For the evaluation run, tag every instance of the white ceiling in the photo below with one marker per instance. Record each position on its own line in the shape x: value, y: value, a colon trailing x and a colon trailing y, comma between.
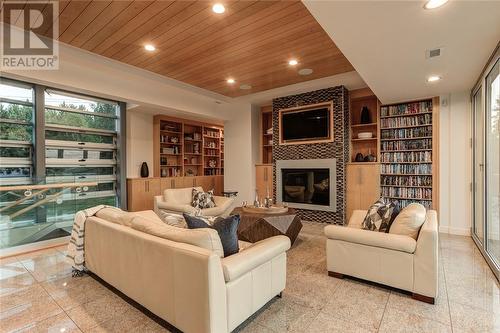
x: 351, y: 80
x: 386, y: 42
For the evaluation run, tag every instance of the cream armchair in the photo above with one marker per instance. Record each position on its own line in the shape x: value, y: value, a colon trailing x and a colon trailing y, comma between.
x: 179, y: 201
x: 394, y: 260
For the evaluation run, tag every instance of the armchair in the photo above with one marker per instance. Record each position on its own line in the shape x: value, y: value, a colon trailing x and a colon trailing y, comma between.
x: 178, y: 201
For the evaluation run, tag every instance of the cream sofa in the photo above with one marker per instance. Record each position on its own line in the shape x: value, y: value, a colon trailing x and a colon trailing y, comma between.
x: 179, y: 201
x: 394, y: 260
x: 189, y: 286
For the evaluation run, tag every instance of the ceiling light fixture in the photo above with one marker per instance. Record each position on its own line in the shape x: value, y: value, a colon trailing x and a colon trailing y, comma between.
x: 230, y: 81
x: 218, y: 8
x: 245, y: 87
x: 149, y: 47
x: 433, y: 78
x: 293, y: 62
x: 433, y: 4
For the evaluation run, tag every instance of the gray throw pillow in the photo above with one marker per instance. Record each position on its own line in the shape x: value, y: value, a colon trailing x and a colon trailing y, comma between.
x: 202, y: 199
x: 380, y: 215
x: 227, y: 228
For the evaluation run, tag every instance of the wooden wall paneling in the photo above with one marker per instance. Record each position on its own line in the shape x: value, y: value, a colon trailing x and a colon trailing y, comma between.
x: 156, y: 147
x: 202, y: 29
x: 198, y: 47
x: 170, y: 17
x: 144, y: 16
x: 115, y: 25
x: 107, y: 15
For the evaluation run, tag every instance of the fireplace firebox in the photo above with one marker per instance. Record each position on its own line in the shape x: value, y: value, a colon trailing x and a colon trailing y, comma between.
x: 306, y: 184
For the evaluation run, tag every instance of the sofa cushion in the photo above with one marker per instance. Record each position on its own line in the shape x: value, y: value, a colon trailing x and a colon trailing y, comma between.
x: 380, y: 215
x: 181, y: 196
x: 409, y: 220
x: 175, y: 220
x: 202, y: 199
x: 227, y: 228
x: 205, y: 238
x: 369, y: 238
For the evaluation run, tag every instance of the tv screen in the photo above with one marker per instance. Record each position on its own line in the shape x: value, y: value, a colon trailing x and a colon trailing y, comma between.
x: 306, y: 125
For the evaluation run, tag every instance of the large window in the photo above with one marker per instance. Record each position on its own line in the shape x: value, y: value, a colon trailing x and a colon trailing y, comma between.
x: 16, y: 132
x: 55, y: 137
x: 80, y: 143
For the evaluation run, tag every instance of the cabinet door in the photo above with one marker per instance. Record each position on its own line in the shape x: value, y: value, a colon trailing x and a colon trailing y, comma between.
x: 260, y: 180
x: 178, y: 182
x: 165, y: 184
x: 219, y: 185
x: 136, y: 193
x: 268, y: 178
x: 206, y: 182
x: 353, y: 179
x: 369, y: 185
x: 189, y: 181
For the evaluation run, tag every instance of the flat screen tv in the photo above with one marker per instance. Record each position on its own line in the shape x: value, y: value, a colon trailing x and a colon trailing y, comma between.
x: 312, y: 124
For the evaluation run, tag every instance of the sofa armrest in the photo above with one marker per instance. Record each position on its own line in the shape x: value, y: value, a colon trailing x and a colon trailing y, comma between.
x: 371, y: 238
x: 426, y: 257
x: 259, y: 253
x: 357, y: 218
x: 222, y: 208
x: 174, y: 207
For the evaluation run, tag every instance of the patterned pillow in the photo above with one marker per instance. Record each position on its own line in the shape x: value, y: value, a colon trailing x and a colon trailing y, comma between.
x: 174, y: 220
x: 202, y: 199
x: 380, y: 215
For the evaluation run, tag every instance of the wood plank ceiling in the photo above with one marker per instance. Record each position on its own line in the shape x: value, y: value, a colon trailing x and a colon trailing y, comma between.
x: 251, y: 41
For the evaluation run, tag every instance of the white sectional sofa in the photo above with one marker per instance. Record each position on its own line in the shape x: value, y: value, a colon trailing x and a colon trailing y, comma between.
x: 395, y: 260
x: 179, y: 274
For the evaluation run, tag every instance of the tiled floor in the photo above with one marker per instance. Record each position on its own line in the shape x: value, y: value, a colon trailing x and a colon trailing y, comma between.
x: 38, y: 294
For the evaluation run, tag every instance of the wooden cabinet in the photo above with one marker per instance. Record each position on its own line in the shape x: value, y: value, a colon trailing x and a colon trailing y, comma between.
x: 362, y: 186
x: 141, y: 193
x: 264, y: 179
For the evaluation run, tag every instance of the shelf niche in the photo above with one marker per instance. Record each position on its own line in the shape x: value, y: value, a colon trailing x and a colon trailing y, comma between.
x: 185, y: 148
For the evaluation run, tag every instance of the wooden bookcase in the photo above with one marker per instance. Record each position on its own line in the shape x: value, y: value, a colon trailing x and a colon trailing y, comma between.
x: 266, y: 134
x: 359, y: 99
x: 409, y: 152
x: 184, y: 148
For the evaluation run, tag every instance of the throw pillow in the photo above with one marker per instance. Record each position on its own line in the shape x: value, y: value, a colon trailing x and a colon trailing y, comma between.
x: 226, y: 228
x: 202, y: 199
x: 409, y: 220
x: 380, y: 216
x: 174, y: 220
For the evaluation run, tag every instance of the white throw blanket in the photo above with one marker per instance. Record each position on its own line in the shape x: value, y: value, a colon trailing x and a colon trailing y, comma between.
x: 76, y: 251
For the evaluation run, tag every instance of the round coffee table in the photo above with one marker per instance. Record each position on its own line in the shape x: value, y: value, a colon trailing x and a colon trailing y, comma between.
x: 258, y: 226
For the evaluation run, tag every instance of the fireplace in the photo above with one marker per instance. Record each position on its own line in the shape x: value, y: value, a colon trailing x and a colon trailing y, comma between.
x: 306, y: 184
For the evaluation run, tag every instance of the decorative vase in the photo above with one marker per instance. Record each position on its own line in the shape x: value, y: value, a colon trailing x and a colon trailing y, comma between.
x: 365, y: 116
x: 359, y: 157
x: 144, y: 170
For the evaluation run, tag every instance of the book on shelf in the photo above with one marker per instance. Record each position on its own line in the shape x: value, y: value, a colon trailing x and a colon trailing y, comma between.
x: 406, y: 108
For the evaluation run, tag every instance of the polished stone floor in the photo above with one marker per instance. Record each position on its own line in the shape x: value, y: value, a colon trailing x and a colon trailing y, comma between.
x: 38, y: 294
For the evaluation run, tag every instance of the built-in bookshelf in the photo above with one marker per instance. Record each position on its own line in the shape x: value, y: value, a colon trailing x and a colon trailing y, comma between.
x: 266, y: 128
x: 184, y: 148
x: 361, y: 101
x: 408, y: 152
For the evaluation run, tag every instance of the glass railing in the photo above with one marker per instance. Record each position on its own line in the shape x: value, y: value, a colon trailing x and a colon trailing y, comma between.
x: 45, y: 210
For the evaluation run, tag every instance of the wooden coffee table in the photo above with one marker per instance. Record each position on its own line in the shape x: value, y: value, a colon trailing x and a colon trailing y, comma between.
x: 258, y: 226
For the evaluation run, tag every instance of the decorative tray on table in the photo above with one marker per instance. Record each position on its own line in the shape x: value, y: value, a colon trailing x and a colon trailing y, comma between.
x: 265, y: 210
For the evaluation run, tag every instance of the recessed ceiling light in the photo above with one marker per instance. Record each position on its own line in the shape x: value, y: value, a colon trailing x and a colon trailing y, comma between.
x: 305, y: 71
x: 245, y: 87
x: 149, y: 47
x: 433, y: 78
x: 218, y: 8
x: 230, y: 81
x: 432, y: 4
x: 293, y: 62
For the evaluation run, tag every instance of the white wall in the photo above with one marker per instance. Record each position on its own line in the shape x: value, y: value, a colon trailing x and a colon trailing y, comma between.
x: 240, y: 147
x: 139, y: 142
x: 455, y: 160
